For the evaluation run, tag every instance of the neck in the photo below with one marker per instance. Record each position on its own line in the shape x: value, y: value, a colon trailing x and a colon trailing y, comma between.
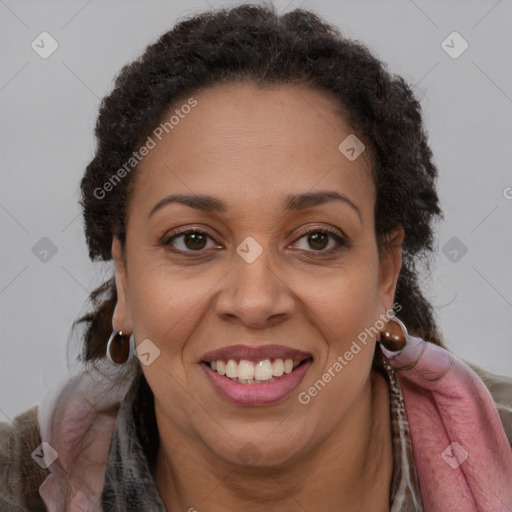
x: 320, y: 480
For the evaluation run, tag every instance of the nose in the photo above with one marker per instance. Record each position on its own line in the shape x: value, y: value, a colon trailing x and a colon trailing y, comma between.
x: 255, y: 293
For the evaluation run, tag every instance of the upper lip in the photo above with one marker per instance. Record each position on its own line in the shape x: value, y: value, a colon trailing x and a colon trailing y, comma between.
x: 255, y: 354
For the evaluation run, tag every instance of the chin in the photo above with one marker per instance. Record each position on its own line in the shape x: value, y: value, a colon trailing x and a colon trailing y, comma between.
x: 270, y: 448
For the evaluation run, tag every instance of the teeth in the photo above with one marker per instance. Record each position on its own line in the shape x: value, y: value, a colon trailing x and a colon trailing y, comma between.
x: 249, y: 372
x: 263, y: 370
x: 277, y: 368
x: 245, y: 370
x: 231, y: 369
x: 288, y: 366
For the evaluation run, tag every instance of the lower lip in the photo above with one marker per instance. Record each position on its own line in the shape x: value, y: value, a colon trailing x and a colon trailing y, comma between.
x: 257, y: 394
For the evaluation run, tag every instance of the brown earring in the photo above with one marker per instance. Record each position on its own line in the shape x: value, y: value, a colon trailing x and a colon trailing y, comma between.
x: 394, y: 337
x: 120, y: 347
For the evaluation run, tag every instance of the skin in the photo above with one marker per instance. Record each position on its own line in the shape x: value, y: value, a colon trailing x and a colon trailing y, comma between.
x: 250, y: 148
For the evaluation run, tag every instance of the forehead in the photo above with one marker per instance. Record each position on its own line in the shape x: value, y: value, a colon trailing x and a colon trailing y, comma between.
x: 240, y: 142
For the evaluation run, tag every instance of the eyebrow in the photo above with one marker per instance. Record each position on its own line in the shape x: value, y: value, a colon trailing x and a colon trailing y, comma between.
x: 292, y: 202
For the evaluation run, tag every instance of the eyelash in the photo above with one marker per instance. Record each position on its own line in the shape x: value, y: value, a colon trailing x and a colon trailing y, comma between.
x: 342, y: 243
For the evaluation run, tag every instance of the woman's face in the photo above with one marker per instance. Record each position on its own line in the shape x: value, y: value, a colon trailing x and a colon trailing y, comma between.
x: 261, y: 271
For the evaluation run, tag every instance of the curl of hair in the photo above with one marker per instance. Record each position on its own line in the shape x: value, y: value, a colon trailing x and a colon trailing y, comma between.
x: 252, y: 43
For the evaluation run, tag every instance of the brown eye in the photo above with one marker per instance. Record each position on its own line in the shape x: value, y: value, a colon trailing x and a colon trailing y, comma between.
x: 195, y: 241
x: 318, y: 240
x: 191, y: 240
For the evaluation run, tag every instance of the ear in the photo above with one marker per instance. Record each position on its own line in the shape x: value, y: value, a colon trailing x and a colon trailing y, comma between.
x: 390, y: 265
x: 122, y: 320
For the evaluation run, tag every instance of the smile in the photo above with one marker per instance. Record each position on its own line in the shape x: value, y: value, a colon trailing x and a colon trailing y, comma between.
x: 254, y: 376
x: 250, y: 372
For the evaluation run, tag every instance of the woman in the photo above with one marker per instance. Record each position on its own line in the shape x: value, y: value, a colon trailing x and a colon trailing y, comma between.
x: 265, y: 190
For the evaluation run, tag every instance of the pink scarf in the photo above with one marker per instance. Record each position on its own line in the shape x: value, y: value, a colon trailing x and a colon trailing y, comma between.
x: 462, y: 455
x: 461, y: 452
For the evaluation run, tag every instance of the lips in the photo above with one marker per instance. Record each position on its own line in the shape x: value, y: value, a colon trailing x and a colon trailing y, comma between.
x: 262, y: 375
x: 239, y: 352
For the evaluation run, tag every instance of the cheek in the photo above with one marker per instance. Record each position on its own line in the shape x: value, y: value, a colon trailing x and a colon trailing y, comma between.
x: 174, y: 308
x: 168, y: 303
x: 166, y: 310
x: 345, y: 314
x: 344, y: 317
x: 347, y: 302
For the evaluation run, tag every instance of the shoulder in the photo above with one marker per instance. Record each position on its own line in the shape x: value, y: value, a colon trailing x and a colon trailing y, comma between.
x: 500, y: 387
x: 20, y: 475
x: 76, y: 417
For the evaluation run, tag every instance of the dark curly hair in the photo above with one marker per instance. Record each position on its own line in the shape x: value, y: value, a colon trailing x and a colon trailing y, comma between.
x: 252, y: 43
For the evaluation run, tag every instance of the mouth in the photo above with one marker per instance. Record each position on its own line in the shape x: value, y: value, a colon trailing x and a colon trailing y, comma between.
x: 256, y: 376
x: 264, y: 371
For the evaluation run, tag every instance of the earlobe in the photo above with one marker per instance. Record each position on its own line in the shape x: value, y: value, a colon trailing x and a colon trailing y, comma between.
x: 390, y: 265
x: 122, y: 320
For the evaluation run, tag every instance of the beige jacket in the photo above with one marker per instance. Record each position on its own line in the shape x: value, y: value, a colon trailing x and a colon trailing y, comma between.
x: 21, y: 476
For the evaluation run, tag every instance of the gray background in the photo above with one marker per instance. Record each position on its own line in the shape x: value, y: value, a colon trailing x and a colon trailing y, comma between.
x: 48, y: 109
